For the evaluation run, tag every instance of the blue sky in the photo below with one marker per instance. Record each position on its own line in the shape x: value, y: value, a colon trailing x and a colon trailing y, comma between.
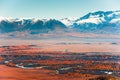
x: 54, y: 8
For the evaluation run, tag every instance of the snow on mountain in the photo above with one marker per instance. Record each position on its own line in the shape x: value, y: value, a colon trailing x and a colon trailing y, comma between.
x: 99, y: 22
x: 99, y: 17
x: 114, y: 14
x: 115, y: 17
x: 34, y: 26
x: 116, y: 20
x: 5, y: 19
x: 68, y: 21
x: 95, y: 20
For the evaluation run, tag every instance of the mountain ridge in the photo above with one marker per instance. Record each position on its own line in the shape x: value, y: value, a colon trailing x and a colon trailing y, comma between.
x: 95, y: 22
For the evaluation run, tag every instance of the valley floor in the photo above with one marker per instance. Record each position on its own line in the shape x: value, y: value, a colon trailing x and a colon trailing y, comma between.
x: 59, y: 61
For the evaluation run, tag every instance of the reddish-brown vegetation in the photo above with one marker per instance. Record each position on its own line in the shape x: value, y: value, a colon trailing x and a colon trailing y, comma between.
x: 16, y: 63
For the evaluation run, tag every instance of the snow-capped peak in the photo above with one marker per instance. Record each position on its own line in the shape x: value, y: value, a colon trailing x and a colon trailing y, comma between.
x: 5, y: 18
x: 68, y: 21
x: 99, y: 17
x: 95, y: 20
x: 94, y: 17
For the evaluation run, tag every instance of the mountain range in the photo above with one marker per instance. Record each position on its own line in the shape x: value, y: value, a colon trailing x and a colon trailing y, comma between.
x: 99, y: 22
